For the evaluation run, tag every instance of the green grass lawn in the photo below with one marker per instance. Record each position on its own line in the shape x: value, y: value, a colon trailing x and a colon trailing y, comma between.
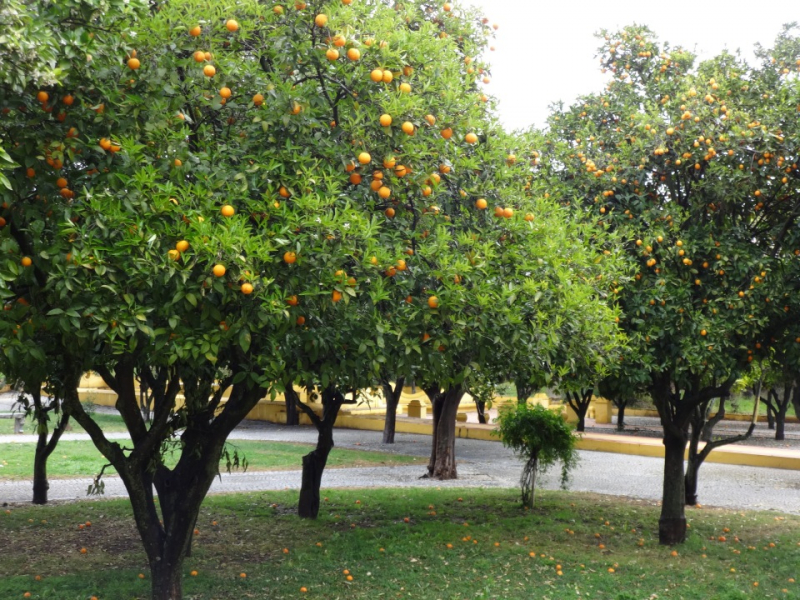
x: 400, y: 543
x: 110, y: 423
x: 81, y: 458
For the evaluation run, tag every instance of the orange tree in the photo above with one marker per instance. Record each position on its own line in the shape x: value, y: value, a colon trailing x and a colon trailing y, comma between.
x: 195, y: 212
x: 696, y: 166
x: 41, y: 46
x: 496, y: 280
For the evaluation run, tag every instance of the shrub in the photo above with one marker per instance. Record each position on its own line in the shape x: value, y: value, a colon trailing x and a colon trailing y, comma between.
x: 540, y: 437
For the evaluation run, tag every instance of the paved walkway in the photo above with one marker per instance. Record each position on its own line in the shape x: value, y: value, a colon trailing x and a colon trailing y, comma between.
x: 480, y: 464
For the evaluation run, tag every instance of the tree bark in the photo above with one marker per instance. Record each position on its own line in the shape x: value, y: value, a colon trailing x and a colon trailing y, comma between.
x: 392, y: 400
x: 579, y: 401
x: 672, y: 522
x: 167, y: 583
x: 45, y: 447
x: 443, y: 449
x: 480, y: 406
x: 314, y: 462
x: 291, y: 399
x: 621, y: 415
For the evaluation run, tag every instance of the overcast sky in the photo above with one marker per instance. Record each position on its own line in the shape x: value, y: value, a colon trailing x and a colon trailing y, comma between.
x: 545, y: 51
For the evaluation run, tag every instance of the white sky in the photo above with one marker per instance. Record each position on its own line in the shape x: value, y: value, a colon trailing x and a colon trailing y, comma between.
x: 545, y: 51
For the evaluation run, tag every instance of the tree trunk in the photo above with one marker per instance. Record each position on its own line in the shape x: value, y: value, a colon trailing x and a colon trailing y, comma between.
x: 781, y: 408
x: 672, y: 523
x: 392, y: 400
x: 621, y: 415
x: 694, y: 462
x: 770, y: 416
x: 291, y: 399
x: 44, y: 448
x: 780, y: 424
x: 443, y: 449
x: 40, y: 483
x: 524, y: 391
x: 313, y: 467
x: 167, y: 582
x: 579, y: 401
x: 480, y: 406
x: 314, y: 462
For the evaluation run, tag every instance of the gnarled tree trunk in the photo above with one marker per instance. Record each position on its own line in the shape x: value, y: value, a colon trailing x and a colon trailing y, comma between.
x: 442, y: 464
x: 166, y: 527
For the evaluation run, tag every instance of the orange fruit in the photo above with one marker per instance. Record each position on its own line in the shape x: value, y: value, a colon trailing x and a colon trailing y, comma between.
x: 401, y: 265
x: 199, y: 56
x: 134, y: 63
x: 177, y: 162
x: 481, y: 204
x: 26, y: 261
x: 388, y: 76
x: 209, y: 71
x: 408, y: 128
x: 289, y: 257
x: 529, y: 217
x: 384, y: 192
x: 247, y: 289
x: 321, y: 20
x: 471, y: 138
x: 292, y: 301
x: 227, y: 210
x: 301, y: 320
x: 433, y: 302
x: 105, y: 144
x: 61, y: 182
x: 364, y: 158
x: 355, y: 178
x: 447, y: 133
x: 182, y: 246
x: 284, y: 193
x: 389, y: 212
x: 32, y: 173
x: 508, y: 213
x: 336, y: 295
x: 353, y: 54
x: 386, y: 120
x: 405, y: 88
x: 231, y: 25
x: 193, y: 573
x: 376, y: 75
x: 243, y: 575
x: 225, y: 92
x: 218, y: 270
x: 42, y: 96
x: 426, y: 191
x: 303, y: 589
x: 332, y: 54
x: 195, y: 31
x: 431, y: 120
x: 174, y: 254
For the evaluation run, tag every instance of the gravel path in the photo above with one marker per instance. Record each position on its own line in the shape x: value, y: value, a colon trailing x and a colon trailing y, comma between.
x: 480, y: 464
